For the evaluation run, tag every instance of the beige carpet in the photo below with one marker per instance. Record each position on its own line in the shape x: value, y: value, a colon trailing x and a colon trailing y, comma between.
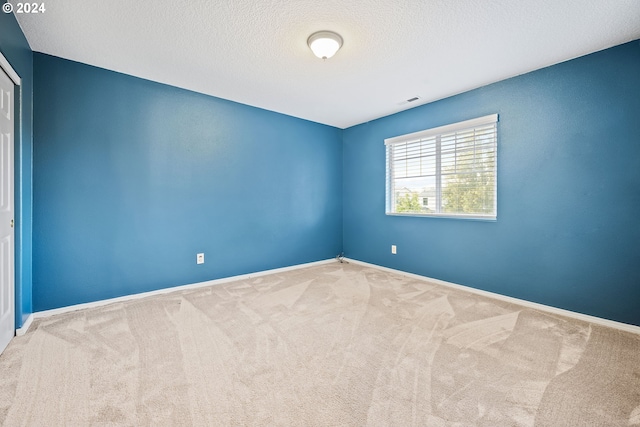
x: 330, y: 345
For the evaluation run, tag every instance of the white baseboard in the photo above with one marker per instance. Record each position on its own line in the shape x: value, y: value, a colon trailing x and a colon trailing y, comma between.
x: 47, y: 313
x: 25, y: 327
x: 549, y: 309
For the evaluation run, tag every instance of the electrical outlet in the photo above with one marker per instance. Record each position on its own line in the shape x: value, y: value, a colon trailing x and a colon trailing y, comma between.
x: 393, y: 249
x: 200, y: 259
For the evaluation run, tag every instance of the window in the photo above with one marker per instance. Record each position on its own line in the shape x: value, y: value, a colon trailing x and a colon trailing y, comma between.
x: 446, y: 171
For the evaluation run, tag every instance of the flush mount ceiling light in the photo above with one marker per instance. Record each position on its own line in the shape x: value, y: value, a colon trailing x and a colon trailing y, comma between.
x: 324, y: 44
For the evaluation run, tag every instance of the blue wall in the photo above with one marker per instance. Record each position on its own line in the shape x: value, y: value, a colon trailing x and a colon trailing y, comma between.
x: 15, y: 49
x: 567, y: 233
x: 133, y: 178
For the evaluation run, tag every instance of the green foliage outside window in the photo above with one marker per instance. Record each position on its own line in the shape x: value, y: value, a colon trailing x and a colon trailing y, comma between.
x: 408, y: 203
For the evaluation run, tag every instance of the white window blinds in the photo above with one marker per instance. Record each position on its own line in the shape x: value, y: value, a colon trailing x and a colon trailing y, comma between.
x: 445, y: 171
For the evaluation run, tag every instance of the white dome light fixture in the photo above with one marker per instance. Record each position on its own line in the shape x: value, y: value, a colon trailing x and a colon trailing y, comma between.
x: 324, y: 44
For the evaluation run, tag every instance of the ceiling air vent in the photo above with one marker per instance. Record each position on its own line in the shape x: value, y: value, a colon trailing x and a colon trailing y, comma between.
x: 415, y: 98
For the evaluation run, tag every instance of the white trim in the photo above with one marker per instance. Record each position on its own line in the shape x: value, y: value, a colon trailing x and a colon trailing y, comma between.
x: 6, y: 66
x: 549, y: 309
x: 554, y: 310
x: 467, y: 124
x: 25, y: 327
x: 490, y: 218
x: 70, y: 308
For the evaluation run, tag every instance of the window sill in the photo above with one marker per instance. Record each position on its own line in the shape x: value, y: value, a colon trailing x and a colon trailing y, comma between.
x: 448, y: 216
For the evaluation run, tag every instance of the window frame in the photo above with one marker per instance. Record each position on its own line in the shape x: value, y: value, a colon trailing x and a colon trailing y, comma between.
x: 437, y: 132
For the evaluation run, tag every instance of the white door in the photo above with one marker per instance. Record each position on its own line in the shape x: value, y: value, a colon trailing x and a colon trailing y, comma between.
x: 7, y: 319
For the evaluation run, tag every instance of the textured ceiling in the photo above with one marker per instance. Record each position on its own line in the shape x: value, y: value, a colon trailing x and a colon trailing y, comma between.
x: 255, y: 52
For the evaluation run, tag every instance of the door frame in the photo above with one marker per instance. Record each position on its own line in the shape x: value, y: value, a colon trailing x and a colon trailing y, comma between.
x: 6, y: 66
x: 17, y: 125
